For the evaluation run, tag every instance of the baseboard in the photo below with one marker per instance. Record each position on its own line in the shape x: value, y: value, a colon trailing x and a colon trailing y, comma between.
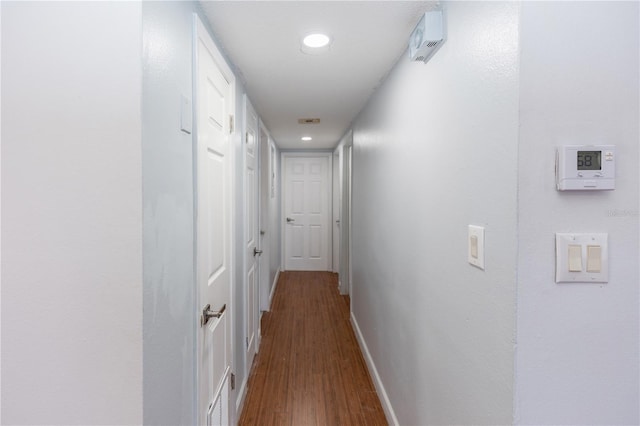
x: 273, y: 287
x: 384, y: 398
x: 242, y: 394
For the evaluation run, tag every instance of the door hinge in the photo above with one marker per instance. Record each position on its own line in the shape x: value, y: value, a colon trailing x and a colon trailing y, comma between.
x: 233, y: 381
x: 246, y: 340
x: 231, y: 124
x: 246, y: 137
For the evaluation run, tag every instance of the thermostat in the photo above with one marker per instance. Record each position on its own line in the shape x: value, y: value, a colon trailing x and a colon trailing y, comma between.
x: 586, y: 167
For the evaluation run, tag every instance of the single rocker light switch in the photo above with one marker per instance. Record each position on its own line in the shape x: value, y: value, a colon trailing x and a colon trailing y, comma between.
x: 575, y: 258
x: 475, y: 251
x: 594, y: 258
x: 474, y: 246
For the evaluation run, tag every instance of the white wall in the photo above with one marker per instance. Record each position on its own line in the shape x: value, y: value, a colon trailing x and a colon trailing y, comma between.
x: 435, y: 151
x: 577, y: 358
x: 169, y: 289
x: 168, y: 206
x: 72, y: 216
x: 0, y: 221
x: 470, y: 137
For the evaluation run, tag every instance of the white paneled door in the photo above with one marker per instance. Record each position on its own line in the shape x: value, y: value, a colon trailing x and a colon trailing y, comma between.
x: 265, y: 233
x: 214, y: 108
x: 251, y: 231
x: 307, y: 211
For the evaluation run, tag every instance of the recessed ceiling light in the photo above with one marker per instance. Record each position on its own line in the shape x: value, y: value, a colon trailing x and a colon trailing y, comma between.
x: 306, y: 138
x: 316, y: 40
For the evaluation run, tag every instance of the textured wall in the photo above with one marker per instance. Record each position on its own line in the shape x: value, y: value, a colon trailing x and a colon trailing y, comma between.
x: 168, y: 203
x: 435, y: 151
x: 72, y: 216
x: 578, y: 343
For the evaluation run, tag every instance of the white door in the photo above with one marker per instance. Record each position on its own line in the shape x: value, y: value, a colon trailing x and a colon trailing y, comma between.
x: 214, y: 108
x: 335, y: 224
x: 251, y: 230
x: 265, y: 232
x: 345, y: 221
x: 306, y: 211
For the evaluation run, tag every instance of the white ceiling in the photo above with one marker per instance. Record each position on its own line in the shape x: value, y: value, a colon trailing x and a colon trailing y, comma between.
x: 263, y: 40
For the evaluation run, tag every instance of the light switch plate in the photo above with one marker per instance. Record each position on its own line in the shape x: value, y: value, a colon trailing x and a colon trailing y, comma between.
x: 566, y: 241
x: 475, y: 246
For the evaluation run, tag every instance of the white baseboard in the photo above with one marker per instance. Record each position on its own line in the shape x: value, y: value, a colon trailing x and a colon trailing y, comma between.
x: 273, y: 287
x: 242, y: 394
x: 384, y: 398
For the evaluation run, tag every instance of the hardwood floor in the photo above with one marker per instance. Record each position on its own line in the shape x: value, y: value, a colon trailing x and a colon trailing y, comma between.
x: 310, y: 370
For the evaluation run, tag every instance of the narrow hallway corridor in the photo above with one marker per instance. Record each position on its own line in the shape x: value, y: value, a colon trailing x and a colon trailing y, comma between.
x: 310, y: 370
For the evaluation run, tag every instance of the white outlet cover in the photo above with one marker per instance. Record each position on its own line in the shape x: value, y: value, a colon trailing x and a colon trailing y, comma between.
x: 564, y: 275
x: 478, y: 233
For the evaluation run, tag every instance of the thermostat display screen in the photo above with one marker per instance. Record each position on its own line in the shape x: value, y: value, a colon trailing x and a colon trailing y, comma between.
x: 589, y: 160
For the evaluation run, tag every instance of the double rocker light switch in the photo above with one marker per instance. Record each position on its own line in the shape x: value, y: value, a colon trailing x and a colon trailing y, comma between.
x: 581, y: 258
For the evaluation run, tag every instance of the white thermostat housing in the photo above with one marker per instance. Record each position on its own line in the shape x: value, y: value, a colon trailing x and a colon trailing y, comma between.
x: 586, y: 167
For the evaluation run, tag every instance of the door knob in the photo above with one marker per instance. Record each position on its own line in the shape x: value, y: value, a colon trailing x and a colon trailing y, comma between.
x: 207, y: 314
x: 289, y: 220
x: 256, y: 251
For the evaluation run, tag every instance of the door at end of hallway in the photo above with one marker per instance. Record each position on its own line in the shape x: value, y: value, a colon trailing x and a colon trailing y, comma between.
x: 306, y: 211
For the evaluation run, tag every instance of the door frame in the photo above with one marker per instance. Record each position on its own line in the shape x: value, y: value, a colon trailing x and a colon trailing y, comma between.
x: 264, y: 192
x: 283, y: 184
x: 346, y: 192
x: 252, y: 347
x: 336, y: 209
x: 198, y: 30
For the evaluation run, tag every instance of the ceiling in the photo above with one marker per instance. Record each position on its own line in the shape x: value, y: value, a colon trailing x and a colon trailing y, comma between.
x: 263, y: 40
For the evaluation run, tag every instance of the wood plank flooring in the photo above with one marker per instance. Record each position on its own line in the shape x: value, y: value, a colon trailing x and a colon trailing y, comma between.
x: 310, y: 370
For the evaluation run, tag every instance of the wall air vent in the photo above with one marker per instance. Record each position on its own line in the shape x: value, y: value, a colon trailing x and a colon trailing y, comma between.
x: 308, y: 120
x: 427, y: 37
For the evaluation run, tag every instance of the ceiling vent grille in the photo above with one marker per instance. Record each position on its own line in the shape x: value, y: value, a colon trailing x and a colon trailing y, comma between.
x: 308, y: 120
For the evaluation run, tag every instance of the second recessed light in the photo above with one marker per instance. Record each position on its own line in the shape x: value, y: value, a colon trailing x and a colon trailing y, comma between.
x: 316, y: 40
x: 306, y: 138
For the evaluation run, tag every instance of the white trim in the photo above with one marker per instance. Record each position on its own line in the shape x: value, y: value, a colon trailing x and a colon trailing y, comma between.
x: 250, y: 351
x: 242, y: 394
x: 384, y: 398
x: 273, y: 287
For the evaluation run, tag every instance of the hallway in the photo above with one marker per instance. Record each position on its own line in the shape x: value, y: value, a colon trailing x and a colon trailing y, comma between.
x: 309, y: 370
x: 121, y: 212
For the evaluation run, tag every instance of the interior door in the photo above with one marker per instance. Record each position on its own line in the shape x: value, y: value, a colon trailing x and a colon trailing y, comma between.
x: 214, y: 121
x: 335, y: 224
x: 251, y: 230
x: 306, y: 211
x: 345, y: 222
x: 265, y: 232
